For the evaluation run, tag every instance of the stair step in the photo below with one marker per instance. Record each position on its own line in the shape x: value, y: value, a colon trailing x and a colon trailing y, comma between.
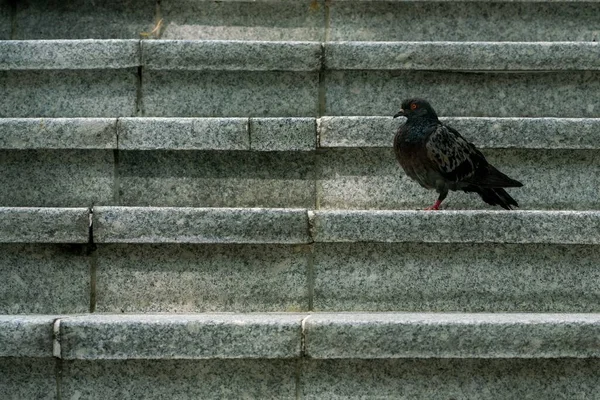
x: 315, y: 335
x: 283, y: 79
x: 43, y: 225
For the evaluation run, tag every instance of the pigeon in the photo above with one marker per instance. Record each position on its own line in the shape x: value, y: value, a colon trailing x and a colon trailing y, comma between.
x: 438, y: 157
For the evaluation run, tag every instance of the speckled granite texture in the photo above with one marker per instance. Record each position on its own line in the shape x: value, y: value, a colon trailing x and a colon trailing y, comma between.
x: 5, y: 20
x: 28, y: 378
x: 84, y: 19
x: 285, y: 20
x: 231, y: 55
x: 283, y: 134
x: 558, y: 227
x: 181, y: 336
x: 460, y: 94
x: 184, y: 134
x: 69, y: 93
x: 180, y: 379
x: 470, y: 21
x: 437, y: 335
x: 58, y: 133
x: 200, y: 225
x: 26, y: 336
x: 200, y: 278
x: 216, y: 179
x: 456, y: 277
x: 44, y: 278
x: 451, y: 379
x: 43, y: 225
x: 364, y: 178
x: 230, y: 94
x: 521, y: 133
x: 458, y: 56
x: 56, y: 178
x: 69, y: 54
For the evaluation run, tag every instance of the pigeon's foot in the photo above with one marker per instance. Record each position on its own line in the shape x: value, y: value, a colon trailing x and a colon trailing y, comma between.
x: 435, y: 206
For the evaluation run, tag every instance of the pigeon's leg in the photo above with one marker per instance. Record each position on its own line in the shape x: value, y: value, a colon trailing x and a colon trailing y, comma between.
x: 438, y: 202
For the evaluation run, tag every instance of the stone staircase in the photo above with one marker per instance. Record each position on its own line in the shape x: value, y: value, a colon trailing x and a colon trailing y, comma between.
x: 199, y: 200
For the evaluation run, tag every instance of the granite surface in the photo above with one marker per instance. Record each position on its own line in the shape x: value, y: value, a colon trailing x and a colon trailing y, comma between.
x: 200, y: 225
x: 56, y: 178
x: 283, y: 134
x: 179, y: 379
x: 470, y: 21
x: 58, y: 133
x: 26, y: 336
x: 183, y: 134
x: 201, y: 278
x: 44, y: 279
x: 521, y: 133
x: 5, y: 20
x: 456, y: 277
x: 28, y: 378
x: 451, y: 379
x: 463, y: 56
x: 436, y: 335
x: 69, y: 54
x: 272, y: 20
x: 466, y: 94
x: 84, y: 19
x: 43, y: 225
x: 558, y: 227
x: 231, y: 55
x: 366, y: 178
x: 69, y: 93
x: 217, y: 179
x: 180, y: 336
x: 230, y: 93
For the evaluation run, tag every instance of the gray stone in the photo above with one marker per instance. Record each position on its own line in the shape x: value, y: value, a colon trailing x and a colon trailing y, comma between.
x: 436, y: 335
x: 56, y: 178
x: 200, y: 225
x: 180, y: 336
x: 271, y: 20
x: 179, y: 379
x: 5, y: 21
x: 466, y: 94
x: 456, y: 277
x: 521, y: 133
x: 28, y: 378
x: 231, y: 55
x: 26, y: 336
x: 84, y: 19
x: 68, y: 93
x: 69, y: 54
x: 283, y: 134
x: 58, y: 133
x: 217, y: 179
x: 463, y: 56
x: 183, y: 134
x: 200, y: 278
x: 559, y: 227
x: 44, y: 279
x: 469, y: 21
x: 230, y: 93
x: 43, y: 225
x: 451, y: 379
x: 369, y: 178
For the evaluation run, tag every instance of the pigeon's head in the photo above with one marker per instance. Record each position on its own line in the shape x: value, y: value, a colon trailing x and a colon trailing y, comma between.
x: 413, y: 108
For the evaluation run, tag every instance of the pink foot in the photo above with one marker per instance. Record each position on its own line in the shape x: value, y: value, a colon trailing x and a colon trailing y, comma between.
x: 435, y: 206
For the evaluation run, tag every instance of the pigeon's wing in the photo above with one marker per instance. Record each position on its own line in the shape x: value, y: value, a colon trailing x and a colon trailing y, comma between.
x: 455, y: 158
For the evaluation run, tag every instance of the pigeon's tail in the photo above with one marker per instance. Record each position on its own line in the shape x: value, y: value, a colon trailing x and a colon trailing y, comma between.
x: 494, y: 196
x: 496, y: 179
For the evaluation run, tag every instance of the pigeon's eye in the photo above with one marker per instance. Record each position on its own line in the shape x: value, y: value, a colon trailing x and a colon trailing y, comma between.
x: 413, y: 106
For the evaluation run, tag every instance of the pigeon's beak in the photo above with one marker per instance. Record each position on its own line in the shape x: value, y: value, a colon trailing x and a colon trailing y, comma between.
x: 399, y: 113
